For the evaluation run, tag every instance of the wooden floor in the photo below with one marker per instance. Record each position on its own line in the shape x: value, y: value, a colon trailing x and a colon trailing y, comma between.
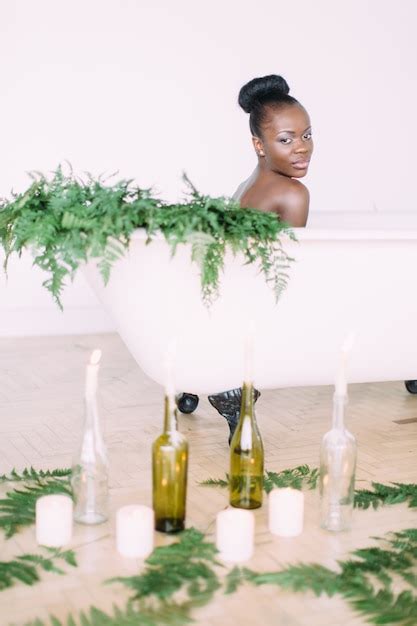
x: 41, y: 390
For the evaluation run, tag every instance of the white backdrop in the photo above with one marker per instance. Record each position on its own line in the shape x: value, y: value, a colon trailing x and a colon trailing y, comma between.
x: 149, y: 88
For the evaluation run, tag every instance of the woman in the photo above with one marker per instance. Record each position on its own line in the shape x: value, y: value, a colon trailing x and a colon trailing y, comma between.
x: 281, y: 136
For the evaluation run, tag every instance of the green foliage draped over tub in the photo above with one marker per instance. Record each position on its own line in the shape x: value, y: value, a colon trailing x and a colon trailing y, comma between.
x: 66, y: 220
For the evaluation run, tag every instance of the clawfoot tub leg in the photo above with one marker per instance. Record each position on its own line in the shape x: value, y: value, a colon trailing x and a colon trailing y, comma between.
x: 187, y: 402
x: 227, y: 404
x: 411, y: 386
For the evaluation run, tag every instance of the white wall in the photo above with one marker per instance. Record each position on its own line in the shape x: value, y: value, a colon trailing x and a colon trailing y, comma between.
x: 149, y: 88
x: 27, y: 308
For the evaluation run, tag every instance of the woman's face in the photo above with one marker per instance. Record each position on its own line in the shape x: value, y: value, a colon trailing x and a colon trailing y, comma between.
x: 286, y: 145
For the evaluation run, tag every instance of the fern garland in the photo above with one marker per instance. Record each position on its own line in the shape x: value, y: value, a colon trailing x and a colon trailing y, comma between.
x: 190, y: 566
x: 17, y: 508
x: 24, y: 568
x: 366, y: 580
x: 305, y: 477
x: 67, y: 221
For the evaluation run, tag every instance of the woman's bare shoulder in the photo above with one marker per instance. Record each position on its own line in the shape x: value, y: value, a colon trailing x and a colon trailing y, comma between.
x: 290, y: 199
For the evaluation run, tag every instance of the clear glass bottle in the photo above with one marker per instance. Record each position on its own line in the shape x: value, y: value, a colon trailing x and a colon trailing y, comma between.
x: 246, y: 456
x: 90, y: 470
x: 169, y: 473
x: 337, y: 471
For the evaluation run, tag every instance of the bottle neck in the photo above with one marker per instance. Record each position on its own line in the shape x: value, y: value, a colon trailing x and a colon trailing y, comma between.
x: 170, y: 414
x: 339, y: 404
x: 247, y: 399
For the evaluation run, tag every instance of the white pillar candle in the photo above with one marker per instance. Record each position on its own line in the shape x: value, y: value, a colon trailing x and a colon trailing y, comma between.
x: 135, y: 531
x: 170, y: 355
x: 54, y: 520
x: 235, y: 532
x: 92, y: 373
x: 341, y: 375
x: 249, y: 352
x: 286, y: 512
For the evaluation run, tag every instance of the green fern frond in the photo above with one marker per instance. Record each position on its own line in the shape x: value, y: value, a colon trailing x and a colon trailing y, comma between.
x: 30, y: 473
x: 167, y: 614
x: 355, y: 579
x: 308, y: 577
x: 24, y: 568
x: 295, y: 477
x: 186, y: 564
x: 386, y: 607
x: 305, y: 477
x: 381, y: 494
x: 215, y: 482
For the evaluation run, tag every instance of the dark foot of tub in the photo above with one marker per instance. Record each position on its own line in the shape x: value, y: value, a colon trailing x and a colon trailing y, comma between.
x: 227, y: 404
x: 411, y: 386
x: 187, y: 402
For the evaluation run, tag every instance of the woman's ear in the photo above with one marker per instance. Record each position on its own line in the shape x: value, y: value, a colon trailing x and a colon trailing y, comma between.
x: 258, y: 145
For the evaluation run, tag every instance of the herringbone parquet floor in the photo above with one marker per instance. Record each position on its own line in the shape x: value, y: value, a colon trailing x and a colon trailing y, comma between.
x: 41, y: 391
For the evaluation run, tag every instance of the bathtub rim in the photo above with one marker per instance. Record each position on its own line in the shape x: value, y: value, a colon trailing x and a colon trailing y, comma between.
x: 318, y: 234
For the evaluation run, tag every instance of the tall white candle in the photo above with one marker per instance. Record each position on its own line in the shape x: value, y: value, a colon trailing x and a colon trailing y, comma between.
x: 341, y: 376
x: 235, y: 534
x: 249, y: 352
x: 92, y: 373
x: 286, y: 512
x: 54, y: 520
x: 135, y: 531
x: 169, y: 368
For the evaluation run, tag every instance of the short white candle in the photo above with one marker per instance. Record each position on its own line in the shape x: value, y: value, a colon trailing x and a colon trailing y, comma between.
x: 135, y: 531
x: 286, y: 512
x: 235, y: 533
x: 54, y: 520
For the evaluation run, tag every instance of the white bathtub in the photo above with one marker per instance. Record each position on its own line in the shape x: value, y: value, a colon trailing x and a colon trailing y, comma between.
x: 352, y: 272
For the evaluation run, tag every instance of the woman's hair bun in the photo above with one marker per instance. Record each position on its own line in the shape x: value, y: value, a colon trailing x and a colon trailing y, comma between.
x: 260, y: 89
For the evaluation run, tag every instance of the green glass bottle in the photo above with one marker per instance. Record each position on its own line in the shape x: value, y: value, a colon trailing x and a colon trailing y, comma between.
x: 169, y: 473
x: 246, y: 456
